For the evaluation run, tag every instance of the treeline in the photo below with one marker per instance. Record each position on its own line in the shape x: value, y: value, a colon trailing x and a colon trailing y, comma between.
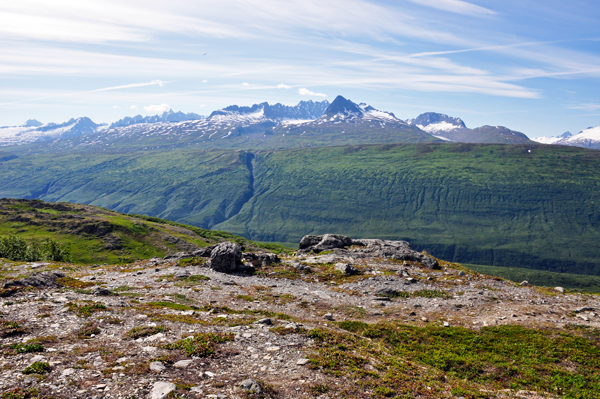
x: 17, y: 249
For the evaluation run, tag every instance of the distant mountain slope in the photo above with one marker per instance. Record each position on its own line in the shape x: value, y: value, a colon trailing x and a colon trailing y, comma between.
x: 551, y: 139
x: 33, y: 131
x: 169, y: 116
x: 518, y: 205
x: 487, y: 134
x: 448, y: 128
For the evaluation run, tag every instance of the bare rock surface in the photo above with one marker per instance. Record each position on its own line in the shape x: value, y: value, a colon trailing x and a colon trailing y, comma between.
x: 121, y: 345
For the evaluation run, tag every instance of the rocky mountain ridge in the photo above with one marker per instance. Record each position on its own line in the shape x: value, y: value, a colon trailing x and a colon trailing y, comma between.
x: 342, y: 318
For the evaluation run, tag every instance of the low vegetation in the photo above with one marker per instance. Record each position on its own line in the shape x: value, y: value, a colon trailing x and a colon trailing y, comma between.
x: 395, y: 360
x: 200, y: 345
x: 16, y: 248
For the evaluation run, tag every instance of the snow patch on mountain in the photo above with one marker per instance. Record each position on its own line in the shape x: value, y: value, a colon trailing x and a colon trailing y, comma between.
x: 30, y: 133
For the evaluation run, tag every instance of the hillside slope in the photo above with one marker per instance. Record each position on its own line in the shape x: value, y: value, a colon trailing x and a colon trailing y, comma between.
x: 529, y: 206
x: 97, y: 235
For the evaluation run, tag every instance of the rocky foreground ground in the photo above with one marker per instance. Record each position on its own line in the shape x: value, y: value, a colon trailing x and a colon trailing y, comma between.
x: 213, y: 325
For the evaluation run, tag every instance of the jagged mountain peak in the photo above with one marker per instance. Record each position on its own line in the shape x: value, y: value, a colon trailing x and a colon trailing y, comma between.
x: 343, y: 106
x: 304, y: 110
x: 433, y: 122
x: 167, y: 116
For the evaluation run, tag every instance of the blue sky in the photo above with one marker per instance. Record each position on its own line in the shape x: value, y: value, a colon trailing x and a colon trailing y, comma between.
x: 533, y: 66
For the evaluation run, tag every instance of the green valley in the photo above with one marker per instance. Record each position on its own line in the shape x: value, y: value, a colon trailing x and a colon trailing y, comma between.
x: 528, y: 205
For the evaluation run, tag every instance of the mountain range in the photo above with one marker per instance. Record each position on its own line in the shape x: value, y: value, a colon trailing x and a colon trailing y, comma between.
x: 261, y: 125
x: 264, y: 125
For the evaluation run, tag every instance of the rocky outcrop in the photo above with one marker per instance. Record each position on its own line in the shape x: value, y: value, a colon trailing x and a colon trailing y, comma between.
x: 38, y: 280
x: 225, y: 257
x: 398, y: 250
x: 327, y: 242
x: 259, y: 259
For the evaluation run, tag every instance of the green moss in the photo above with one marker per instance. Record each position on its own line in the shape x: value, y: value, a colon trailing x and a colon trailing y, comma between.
x: 144, y: 331
x: 87, y: 309
x: 200, y: 345
x: 170, y: 305
x: 37, y: 368
x: 27, y: 348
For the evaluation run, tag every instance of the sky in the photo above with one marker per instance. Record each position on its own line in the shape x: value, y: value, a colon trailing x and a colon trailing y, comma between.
x: 532, y: 66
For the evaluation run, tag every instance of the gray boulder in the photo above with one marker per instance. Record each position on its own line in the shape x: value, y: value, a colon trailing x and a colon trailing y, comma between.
x: 204, y: 252
x: 258, y: 259
x: 183, y: 273
x: 347, y: 269
x: 38, y: 280
x: 225, y: 257
x: 322, y: 243
x: 101, y: 291
x: 251, y: 386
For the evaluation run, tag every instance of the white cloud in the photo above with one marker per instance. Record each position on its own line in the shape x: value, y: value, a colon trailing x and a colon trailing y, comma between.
x: 205, y: 81
x: 116, y: 107
x: 305, y: 92
x: 157, y: 109
x: 133, y: 107
x: 282, y: 86
x: 202, y: 105
x: 246, y: 84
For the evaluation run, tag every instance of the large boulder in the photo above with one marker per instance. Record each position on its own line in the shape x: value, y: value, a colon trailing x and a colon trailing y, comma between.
x: 225, y: 257
x: 322, y: 243
x: 38, y: 280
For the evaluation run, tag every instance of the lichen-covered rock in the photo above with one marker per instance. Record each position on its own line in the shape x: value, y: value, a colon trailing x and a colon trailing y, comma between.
x: 322, y: 243
x: 38, y: 280
x: 225, y: 257
x: 347, y: 269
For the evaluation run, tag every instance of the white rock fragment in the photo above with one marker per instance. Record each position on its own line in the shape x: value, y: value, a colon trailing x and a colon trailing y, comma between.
x: 157, y: 366
x: 161, y: 389
x: 182, y: 364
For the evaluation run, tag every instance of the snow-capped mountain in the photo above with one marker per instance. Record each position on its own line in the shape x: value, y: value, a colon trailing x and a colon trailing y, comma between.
x: 34, y: 131
x: 169, y: 116
x: 344, y: 110
x: 552, y: 139
x: 588, y: 138
x: 433, y: 123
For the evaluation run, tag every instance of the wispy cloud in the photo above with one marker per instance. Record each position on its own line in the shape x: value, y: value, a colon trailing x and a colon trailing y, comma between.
x: 456, y: 6
x: 282, y: 86
x: 305, y: 92
x: 121, y: 87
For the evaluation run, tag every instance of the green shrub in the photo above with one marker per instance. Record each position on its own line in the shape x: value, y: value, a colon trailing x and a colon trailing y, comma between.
x: 27, y: 348
x: 37, y: 368
x: 201, y: 345
x: 145, y: 331
x: 16, y: 248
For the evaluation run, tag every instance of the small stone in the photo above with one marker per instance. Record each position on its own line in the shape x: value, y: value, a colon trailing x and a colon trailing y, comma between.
x: 100, y: 291
x: 157, y: 366
x: 209, y: 374
x: 100, y: 386
x: 251, y: 386
x: 37, y: 358
x: 524, y: 283
x: 149, y: 349
x: 155, y: 337
x: 582, y: 317
x: 328, y: 316
x: 273, y: 348
x: 179, y: 274
x: 559, y: 289
x: 182, y: 364
x: 302, y: 362
x: 425, y: 319
x: 196, y: 390
x: 347, y: 269
x: 68, y: 372
x: 266, y: 321
x: 446, y: 324
x: 161, y: 389
x: 461, y: 273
